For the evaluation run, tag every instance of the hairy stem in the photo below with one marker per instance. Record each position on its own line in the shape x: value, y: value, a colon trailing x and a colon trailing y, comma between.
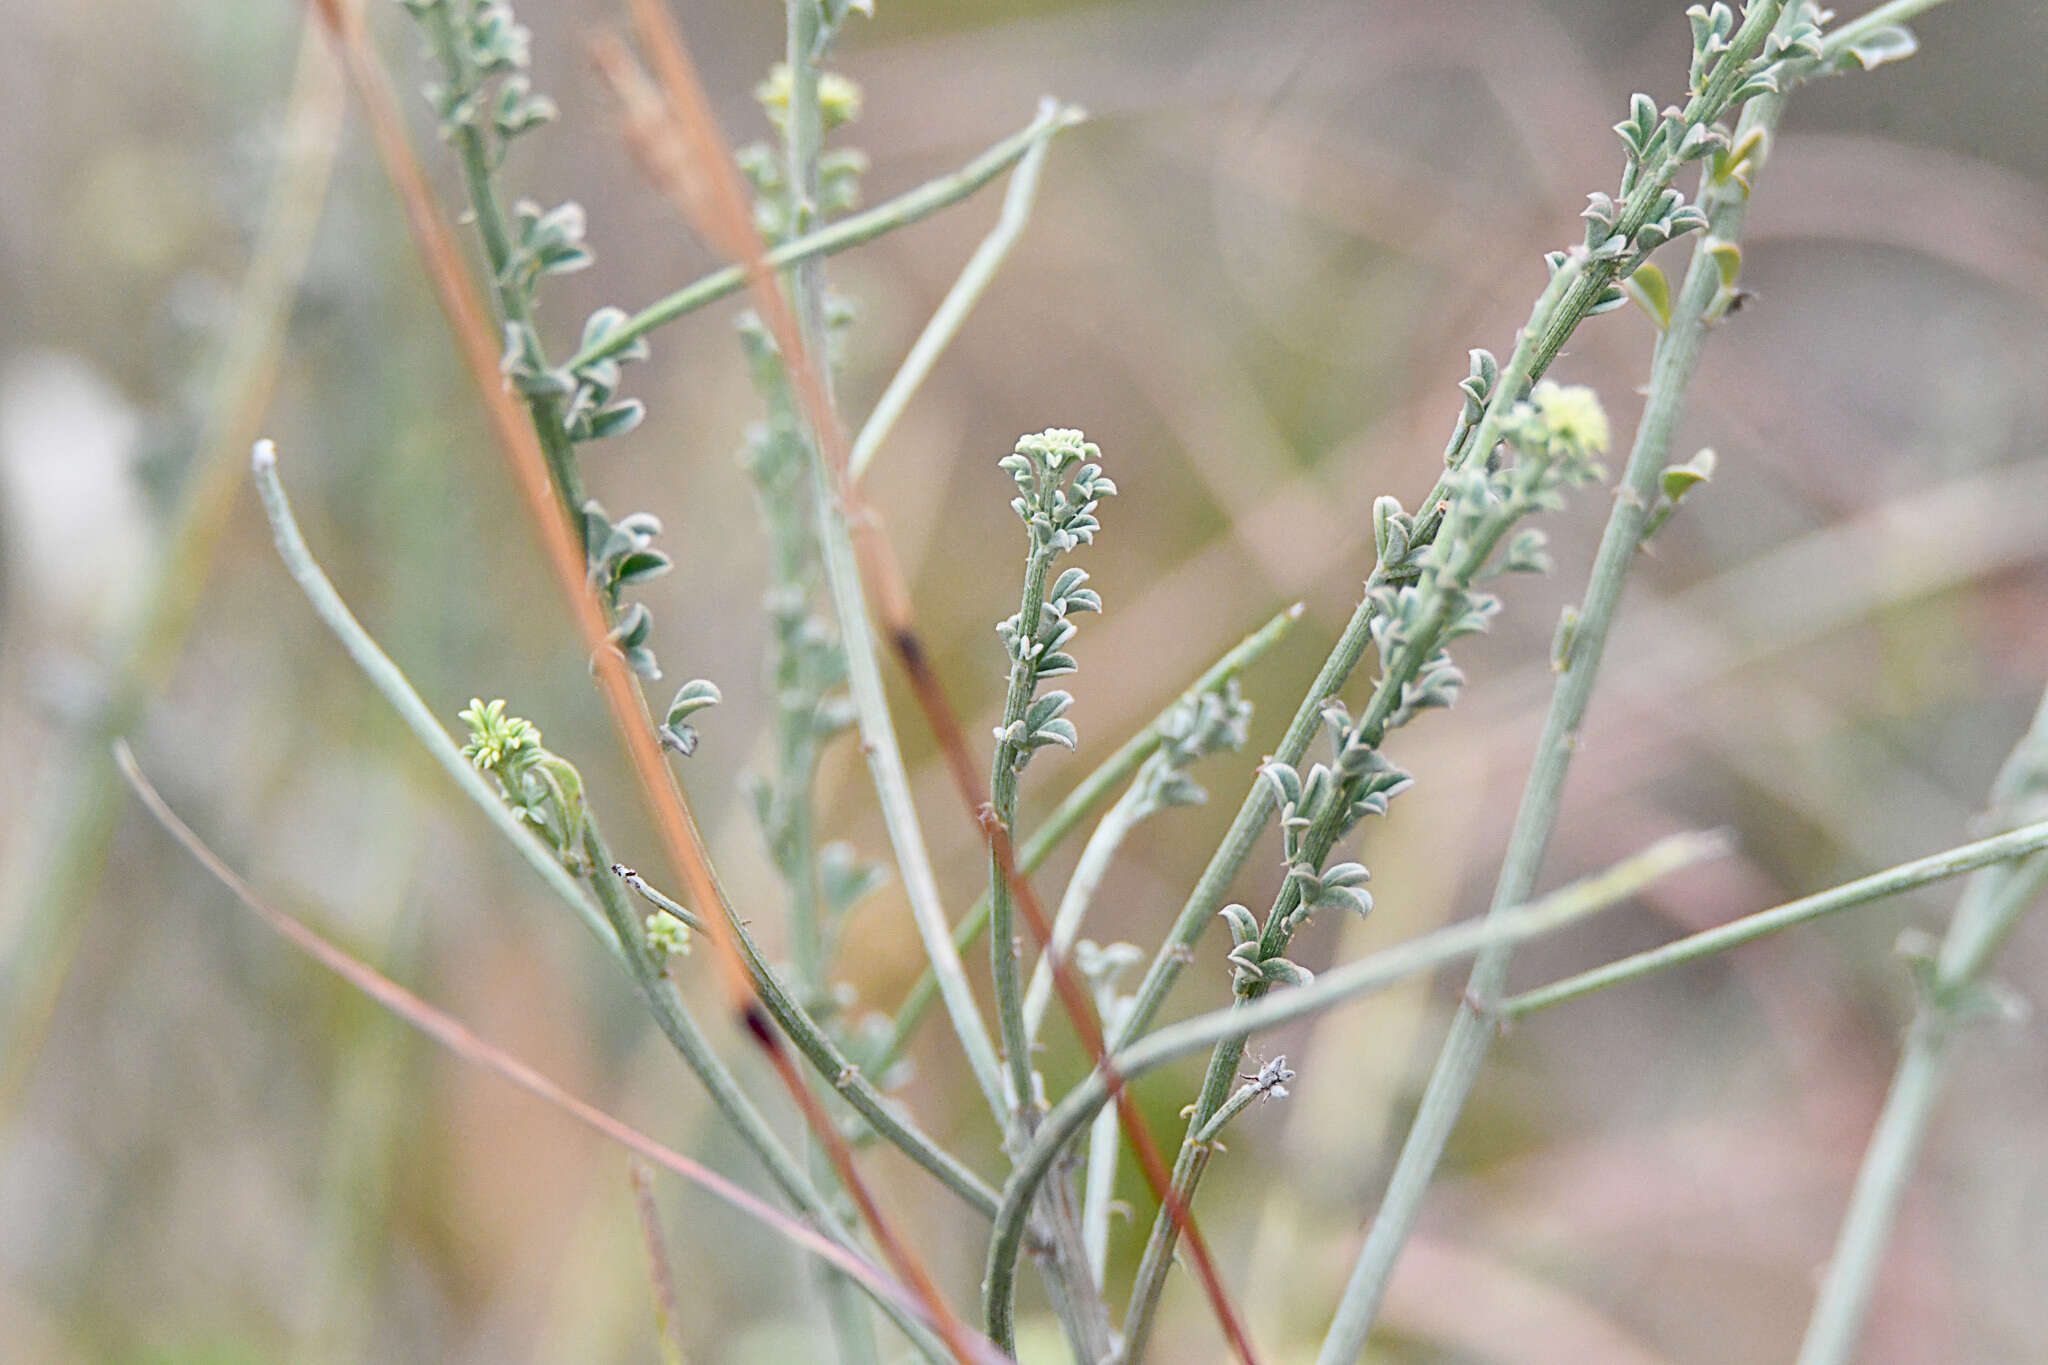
x: 1003, y: 939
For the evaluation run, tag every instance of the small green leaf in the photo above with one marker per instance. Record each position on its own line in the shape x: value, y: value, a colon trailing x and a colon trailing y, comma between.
x: 1890, y: 44
x: 1652, y: 293
x: 1243, y: 928
x: 1681, y: 479
x: 693, y: 696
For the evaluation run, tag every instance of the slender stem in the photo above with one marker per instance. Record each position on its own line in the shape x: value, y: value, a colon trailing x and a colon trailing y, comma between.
x: 1388, y: 967
x: 960, y: 300
x: 803, y: 140
x: 833, y: 1241
x: 1477, y: 540
x: 1097, y: 854
x: 2019, y: 843
x: 838, y: 1070
x: 1887, y: 1169
x: 1464, y: 1050
x: 848, y: 232
x: 892, y: 788
x: 1081, y: 1310
x: 660, y: 1267
x: 1003, y: 941
x: 1991, y: 905
x: 392, y: 684
x: 673, y: 1017
x: 1525, y: 364
x: 514, y: 295
x: 1098, y: 1190
x: 1076, y: 807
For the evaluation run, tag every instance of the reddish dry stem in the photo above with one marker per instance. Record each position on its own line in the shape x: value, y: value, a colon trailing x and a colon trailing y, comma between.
x: 683, y: 844
x: 695, y: 170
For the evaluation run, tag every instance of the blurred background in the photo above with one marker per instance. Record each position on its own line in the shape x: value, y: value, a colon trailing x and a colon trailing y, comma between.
x: 1252, y: 278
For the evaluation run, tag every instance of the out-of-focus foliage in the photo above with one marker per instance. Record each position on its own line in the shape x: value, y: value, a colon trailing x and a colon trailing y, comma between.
x: 1252, y: 279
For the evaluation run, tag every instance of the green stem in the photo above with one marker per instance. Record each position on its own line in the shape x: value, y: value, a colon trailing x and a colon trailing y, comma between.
x: 839, y: 1071
x: 884, y: 757
x: 1097, y: 854
x: 1837, y: 1321
x: 848, y: 232
x: 1478, y: 544
x: 1003, y: 942
x: 673, y: 1017
x: 1388, y: 967
x: 1991, y: 905
x: 1077, y: 806
x: 391, y: 682
x: 1465, y: 1048
x: 960, y: 300
x: 1524, y: 366
x: 803, y: 142
x: 2020, y: 843
x: 513, y: 295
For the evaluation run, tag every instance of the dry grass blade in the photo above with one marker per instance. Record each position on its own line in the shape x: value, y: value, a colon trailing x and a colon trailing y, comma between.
x: 454, y: 1036
x: 687, y: 157
x: 684, y: 845
x: 659, y: 1269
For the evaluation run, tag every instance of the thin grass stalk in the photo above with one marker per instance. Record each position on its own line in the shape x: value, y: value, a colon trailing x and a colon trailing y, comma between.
x: 50, y: 883
x: 959, y: 302
x: 390, y: 681
x: 839, y: 1071
x: 529, y: 466
x: 856, y: 229
x: 715, y: 200
x: 1952, y: 994
x: 1465, y: 1048
x: 1388, y: 967
x: 661, y: 1273
x: 2003, y: 848
x: 904, y: 1308
x: 1221, y: 1076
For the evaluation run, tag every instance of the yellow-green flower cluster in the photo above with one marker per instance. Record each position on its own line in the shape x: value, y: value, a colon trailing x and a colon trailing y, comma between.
x: 1566, y: 420
x: 838, y: 97
x: 495, y: 736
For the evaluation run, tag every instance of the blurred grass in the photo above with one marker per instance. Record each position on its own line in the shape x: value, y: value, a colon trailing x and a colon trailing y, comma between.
x: 1252, y: 280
